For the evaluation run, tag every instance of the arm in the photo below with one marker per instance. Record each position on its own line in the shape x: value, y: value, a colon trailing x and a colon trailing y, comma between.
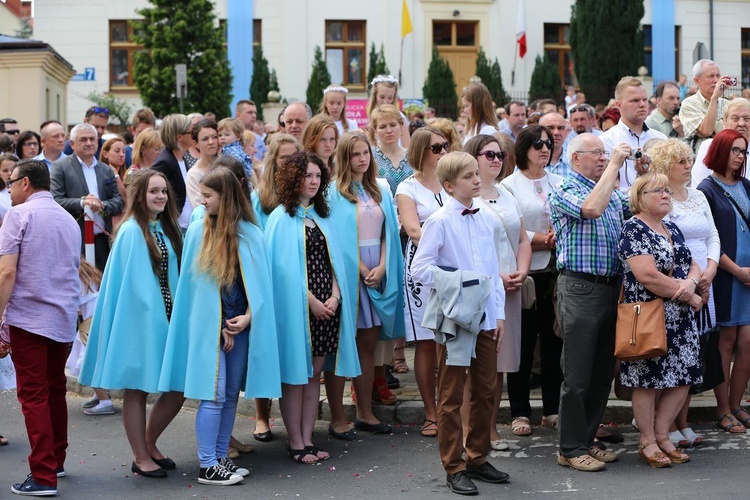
x: 596, y: 202
x: 741, y: 273
x: 192, y: 187
x: 58, y: 190
x: 375, y: 276
x: 405, y: 137
x: 8, y: 266
x: 426, y: 257
x: 334, y: 300
x: 407, y: 212
x: 523, y: 259
x: 707, y: 125
x: 115, y: 204
x: 645, y: 271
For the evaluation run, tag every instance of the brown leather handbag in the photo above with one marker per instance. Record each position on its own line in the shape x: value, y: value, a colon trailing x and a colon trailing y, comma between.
x: 641, y: 331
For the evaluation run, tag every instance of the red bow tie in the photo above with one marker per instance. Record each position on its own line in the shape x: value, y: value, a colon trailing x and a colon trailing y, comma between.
x: 469, y: 211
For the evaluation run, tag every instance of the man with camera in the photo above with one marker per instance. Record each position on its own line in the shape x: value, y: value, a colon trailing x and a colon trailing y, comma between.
x: 701, y: 114
x: 665, y: 117
x: 632, y: 101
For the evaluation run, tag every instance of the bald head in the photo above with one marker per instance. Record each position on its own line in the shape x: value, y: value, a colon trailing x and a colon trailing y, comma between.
x: 296, y: 116
x: 556, y: 124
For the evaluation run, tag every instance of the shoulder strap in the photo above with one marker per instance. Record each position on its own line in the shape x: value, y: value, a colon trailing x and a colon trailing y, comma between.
x: 732, y: 200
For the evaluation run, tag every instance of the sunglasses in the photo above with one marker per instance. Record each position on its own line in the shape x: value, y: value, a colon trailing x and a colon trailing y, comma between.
x: 538, y: 143
x: 11, y: 181
x: 491, y: 155
x: 13, y: 132
x: 579, y: 108
x: 436, y: 148
x: 96, y: 110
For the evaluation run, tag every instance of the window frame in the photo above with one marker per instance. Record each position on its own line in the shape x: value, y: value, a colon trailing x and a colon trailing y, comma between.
x: 130, y: 46
x: 563, y: 49
x: 648, y: 49
x: 745, y: 53
x: 454, y: 35
x: 346, y: 45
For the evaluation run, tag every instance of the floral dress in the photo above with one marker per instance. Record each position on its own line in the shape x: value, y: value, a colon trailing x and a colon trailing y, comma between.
x: 682, y: 363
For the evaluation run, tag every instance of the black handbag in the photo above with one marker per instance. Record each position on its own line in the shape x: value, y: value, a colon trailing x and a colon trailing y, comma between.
x: 713, y: 371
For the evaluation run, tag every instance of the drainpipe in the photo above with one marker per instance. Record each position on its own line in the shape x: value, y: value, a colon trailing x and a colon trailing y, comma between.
x: 711, y: 26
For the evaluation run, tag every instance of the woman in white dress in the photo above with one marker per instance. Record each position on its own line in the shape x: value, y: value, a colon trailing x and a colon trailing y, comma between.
x: 417, y: 198
x: 514, y: 257
x: 692, y: 214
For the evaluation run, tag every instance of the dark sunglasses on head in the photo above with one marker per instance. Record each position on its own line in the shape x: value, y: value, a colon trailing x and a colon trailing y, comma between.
x: 579, y: 108
x: 435, y: 148
x: 491, y: 155
x: 538, y: 143
x: 96, y: 110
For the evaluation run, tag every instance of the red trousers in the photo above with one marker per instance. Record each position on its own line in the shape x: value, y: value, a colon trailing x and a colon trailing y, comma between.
x: 41, y: 387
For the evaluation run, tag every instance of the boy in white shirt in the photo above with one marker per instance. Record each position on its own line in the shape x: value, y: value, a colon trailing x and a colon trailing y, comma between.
x: 461, y: 236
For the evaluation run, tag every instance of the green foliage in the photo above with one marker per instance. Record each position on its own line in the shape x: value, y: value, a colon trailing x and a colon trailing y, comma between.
x: 183, y: 32
x: 261, y: 82
x: 25, y: 31
x: 545, y: 80
x: 377, y: 65
x: 491, y: 77
x: 614, y: 24
x: 119, y: 109
x: 440, y: 87
x: 273, y: 82
x: 319, y: 80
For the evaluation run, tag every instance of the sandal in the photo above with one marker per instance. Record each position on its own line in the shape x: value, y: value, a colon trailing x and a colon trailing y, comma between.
x: 520, y: 426
x: 550, y: 421
x: 314, y: 450
x: 233, y: 453
x: 676, y: 456
x: 3, y: 441
x: 657, y: 460
x: 430, y: 428
x: 585, y: 463
x: 745, y: 421
x: 299, y: 456
x: 733, y: 427
x: 382, y: 394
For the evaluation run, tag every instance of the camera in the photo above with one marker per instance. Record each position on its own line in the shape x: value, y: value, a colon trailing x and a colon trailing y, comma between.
x: 733, y: 81
x: 637, y: 155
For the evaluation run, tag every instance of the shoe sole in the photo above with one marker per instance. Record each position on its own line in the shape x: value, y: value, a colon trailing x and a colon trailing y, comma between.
x: 214, y: 482
x: 61, y: 474
x: 34, y: 493
x: 96, y: 414
x: 493, y: 481
x: 467, y: 493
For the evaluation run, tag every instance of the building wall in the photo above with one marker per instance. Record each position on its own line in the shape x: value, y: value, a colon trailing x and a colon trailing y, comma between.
x: 291, y: 29
x: 9, y: 21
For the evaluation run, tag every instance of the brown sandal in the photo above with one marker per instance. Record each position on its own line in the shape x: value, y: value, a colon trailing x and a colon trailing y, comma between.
x: 430, y: 428
x: 657, y: 460
x: 676, y: 456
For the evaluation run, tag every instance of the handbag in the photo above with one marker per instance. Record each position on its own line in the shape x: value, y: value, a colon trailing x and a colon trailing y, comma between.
x: 83, y: 330
x: 528, y: 293
x: 641, y: 331
x: 713, y: 371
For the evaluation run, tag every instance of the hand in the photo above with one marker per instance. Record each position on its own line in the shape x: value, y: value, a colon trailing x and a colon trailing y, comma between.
x: 364, y: 271
x: 332, y: 304
x: 695, y: 302
x: 619, y: 154
x: 319, y: 310
x: 228, y: 341
x: 704, y: 297
x: 375, y: 276
x: 722, y: 84
x: 551, y: 239
x: 707, y: 277
x: 685, y: 290
x: 235, y: 325
x: 513, y: 281
x: 498, y: 333
x: 93, y: 202
x: 677, y: 126
x: 642, y: 164
x: 743, y: 274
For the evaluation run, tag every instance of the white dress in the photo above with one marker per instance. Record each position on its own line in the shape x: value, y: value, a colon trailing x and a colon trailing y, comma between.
x: 485, y: 129
x: 352, y: 124
x: 4, y: 202
x: 417, y: 294
x: 506, y: 208
x: 7, y: 370
x: 86, y: 307
x: 693, y: 217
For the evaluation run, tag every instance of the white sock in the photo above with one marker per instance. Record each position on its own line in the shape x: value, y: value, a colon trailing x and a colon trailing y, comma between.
x: 690, y: 435
x: 104, y: 402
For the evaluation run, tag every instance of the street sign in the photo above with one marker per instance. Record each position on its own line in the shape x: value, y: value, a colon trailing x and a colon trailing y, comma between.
x: 88, y: 75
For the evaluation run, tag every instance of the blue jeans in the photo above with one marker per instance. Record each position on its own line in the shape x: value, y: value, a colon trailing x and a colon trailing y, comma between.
x: 215, y: 419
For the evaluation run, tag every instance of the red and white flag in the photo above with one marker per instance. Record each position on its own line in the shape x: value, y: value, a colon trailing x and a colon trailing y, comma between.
x: 521, y: 29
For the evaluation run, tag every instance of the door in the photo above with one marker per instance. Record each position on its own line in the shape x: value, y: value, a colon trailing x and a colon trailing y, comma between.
x: 458, y: 43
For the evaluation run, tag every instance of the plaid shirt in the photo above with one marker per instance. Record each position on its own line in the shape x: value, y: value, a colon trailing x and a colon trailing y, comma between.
x: 692, y: 112
x: 587, y: 245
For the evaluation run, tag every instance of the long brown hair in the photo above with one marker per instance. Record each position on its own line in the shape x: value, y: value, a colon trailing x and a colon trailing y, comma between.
x: 313, y: 132
x: 343, y: 173
x: 91, y: 277
x: 290, y: 181
x: 481, y: 108
x: 137, y: 190
x: 267, y: 188
x: 219, y: 254
x: 122, y: 169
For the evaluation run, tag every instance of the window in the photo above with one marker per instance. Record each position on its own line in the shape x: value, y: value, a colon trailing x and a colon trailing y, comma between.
x: 455, y: 34
x: 346, y: 49
x: 745, y: 57
x: 648, y: 57
x: 557, y: 48
x: 122, y: 49
x: 257, y: 27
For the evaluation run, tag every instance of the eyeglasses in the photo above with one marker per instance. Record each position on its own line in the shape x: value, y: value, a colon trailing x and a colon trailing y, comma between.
x: 96, y: 110
x: 579, y: 108
x: 660, y: 191
x: 435, y: 148
x: 13, y: 132
x: 596, y: 152
x: 739, y: 152
x: 538, y: 143
x: 491, y: 155
x: 685, y: 161
x: 12, y: 181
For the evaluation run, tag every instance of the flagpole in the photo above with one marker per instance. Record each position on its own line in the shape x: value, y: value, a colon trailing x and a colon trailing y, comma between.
x: 513, y: 71
x: 401, y: 62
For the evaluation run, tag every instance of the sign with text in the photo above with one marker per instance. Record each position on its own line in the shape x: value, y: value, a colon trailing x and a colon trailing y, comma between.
x: 88, y: 75
x: 356, y: 109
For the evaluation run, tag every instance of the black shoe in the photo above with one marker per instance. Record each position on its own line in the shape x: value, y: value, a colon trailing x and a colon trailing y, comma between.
x: 33, y: 489
x: 379, y: 428
x: 487, y: 473
x: 233, y: 468
x: 390, y: 380
x: 158, y: 473
x: 60, y: 472
x: 461, y: 484
x: 349, y: 435
x: 218, y: 475
x: 612, y: 438
x: 263, y: 436
x: 165, y: 463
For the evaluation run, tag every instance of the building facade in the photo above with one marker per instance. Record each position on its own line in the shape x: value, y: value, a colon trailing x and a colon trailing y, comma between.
x: 95, y: 36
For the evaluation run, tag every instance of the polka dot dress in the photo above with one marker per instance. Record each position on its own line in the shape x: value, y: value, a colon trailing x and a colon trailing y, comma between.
x: 324, y: 333
x: 166, y: 293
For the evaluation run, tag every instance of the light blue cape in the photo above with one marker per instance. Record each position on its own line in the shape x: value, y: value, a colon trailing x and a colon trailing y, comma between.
x: 285, y: 239
x: 191, y: 357
x: 259, y: 213
x: 129, y: 328
x: 389, y: 304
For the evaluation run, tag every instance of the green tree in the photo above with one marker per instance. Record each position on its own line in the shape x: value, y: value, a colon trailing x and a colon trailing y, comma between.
x: 376, y: 65
x: 440, y: 87
x: 615, y: 24
x: 545, y: 80
x: 273, y: 81
x: 183, y: 32
x: 491, y: 77
x: 118, y: 108
x: 261, y: 81
x: 320, y: 78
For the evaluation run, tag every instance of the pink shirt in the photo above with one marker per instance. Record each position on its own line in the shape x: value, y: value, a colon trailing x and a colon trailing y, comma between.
x: 46, y: 293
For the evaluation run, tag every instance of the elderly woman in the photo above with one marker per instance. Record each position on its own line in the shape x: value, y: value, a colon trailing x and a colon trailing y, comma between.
x: 692, y: 215
x: 514, y: 257
x: 657, y: 264
x: 728, y: 195
x: 531, y: 185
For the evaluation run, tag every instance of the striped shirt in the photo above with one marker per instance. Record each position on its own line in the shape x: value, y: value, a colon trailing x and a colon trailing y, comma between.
x: 386, y: 170
x: 587, y: 245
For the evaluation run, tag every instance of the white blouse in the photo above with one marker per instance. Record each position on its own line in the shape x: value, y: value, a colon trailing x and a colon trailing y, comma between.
x: 693, y: 217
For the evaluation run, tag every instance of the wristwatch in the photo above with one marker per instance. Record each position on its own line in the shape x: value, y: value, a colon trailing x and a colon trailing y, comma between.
x: 694, y: 281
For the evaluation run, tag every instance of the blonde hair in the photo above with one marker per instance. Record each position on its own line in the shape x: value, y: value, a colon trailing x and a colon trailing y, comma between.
x: 373, y: 102
x: 219, y: 253
x: 90, y: 277
x: 737, y: 102
x: 450, y: 166
x: 149, y: 138
x: 448, y: 129
x: 481, y: 107
x: 343, y: 174
x: 247, y: 137
x: 383, y: 112
x: 267, y: 188
x: 234, y: 125
x: 625, y: 82
x: 665, y: 154
x: 644, y: 183
x: 324, y: 110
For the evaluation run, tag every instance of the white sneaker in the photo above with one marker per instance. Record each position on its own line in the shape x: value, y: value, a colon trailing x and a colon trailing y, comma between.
x: 100, y: 409
x: 218, y: 475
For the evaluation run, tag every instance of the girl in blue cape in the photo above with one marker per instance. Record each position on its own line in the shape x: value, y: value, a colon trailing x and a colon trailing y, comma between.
x: 223, y: 335
x: 129, y: 328
x: 311, y: 319
x: 362, y: 212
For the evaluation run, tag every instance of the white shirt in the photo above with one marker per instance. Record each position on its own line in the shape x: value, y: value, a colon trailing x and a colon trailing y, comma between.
x: 187, y: 209
x: 89, y: 173
x: 4, y: 202
x: 484, y: 129
x: 621, y: 133
x: 464, y: 242
x: 352, y: 124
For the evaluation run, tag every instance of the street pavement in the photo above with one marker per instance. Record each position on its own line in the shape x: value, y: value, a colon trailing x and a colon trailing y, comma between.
x: 403, y: 465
